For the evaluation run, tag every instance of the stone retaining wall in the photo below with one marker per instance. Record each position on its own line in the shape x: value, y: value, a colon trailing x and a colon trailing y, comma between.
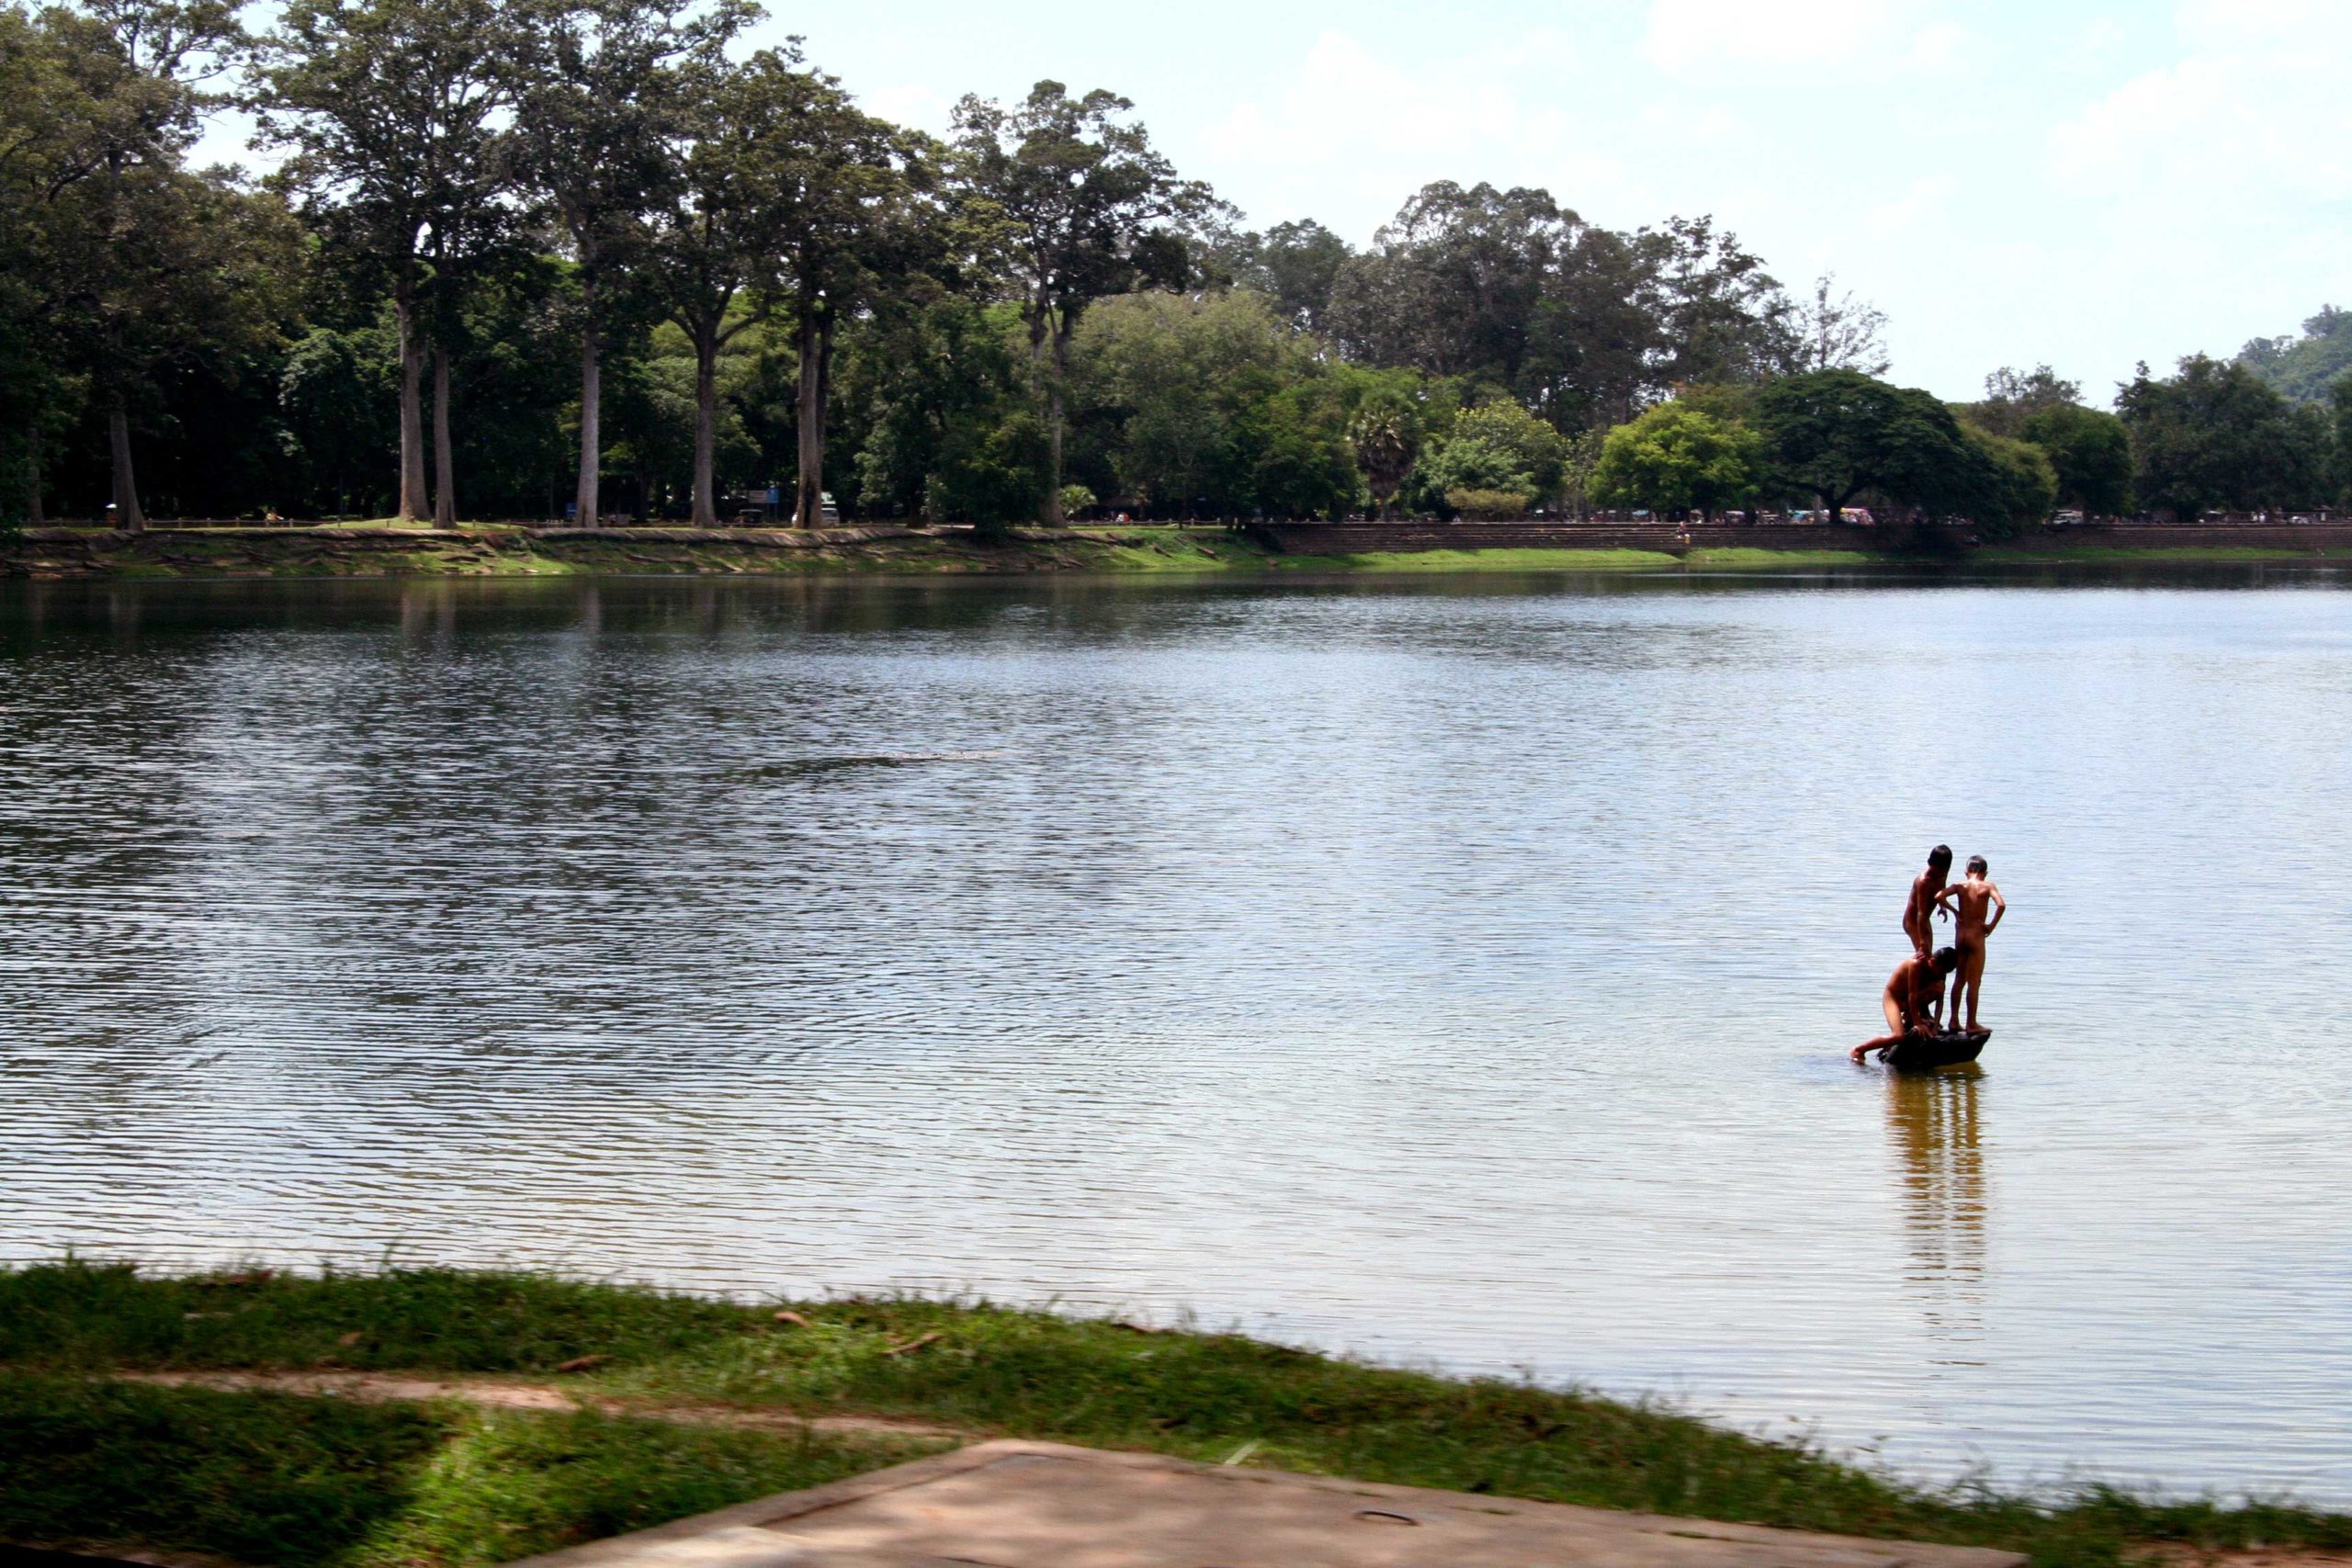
x: 1365, y: 538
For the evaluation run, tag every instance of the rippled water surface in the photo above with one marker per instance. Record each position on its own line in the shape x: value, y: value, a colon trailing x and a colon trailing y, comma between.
x: 1454, y: 972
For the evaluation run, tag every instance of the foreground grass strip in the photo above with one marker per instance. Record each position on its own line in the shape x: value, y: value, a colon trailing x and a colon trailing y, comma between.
x: 306, y: 1482
x: 1037, y: 1375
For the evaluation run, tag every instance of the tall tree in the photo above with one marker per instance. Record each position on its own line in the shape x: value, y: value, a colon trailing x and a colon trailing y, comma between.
x: 390, y: 109
x: 1593, y: 333
x: 1453, y: 283
x: 1298, y: 265
x: 1091, y: 209
x: 1829, y: 330
x: 603, y: 86
x: 1721, y: 317
x: 2013, y: 397
x: 842, y: 222
x: 2089, y: 453
x: 1835, y: 433
x: 710, y: 239
x: 2216, y: 435
x: 133, y: 241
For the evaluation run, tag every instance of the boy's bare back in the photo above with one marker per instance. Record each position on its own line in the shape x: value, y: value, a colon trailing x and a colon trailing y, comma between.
x: 1978, y: 907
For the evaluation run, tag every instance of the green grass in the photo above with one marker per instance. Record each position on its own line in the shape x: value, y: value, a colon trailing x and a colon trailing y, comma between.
x: 346, y: 1484
x: 1748, y: 555
x: 310, y: 1482
x: 1477, y: 560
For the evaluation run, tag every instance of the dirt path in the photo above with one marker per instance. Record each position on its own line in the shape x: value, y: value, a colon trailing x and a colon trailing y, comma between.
x: 494, y: 1393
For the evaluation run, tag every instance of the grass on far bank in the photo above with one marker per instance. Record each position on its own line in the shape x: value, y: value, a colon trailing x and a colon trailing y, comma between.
x: 303, y: 1481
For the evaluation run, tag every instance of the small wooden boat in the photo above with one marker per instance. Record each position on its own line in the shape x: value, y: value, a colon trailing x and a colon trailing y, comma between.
x: 1924, y: 1052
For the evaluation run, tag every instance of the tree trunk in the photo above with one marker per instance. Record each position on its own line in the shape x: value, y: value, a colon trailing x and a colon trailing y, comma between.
x: 814, y: 339
x: 445, y: 467
x: 412, y: 504
x: 705, y: 500
x: 592, y: 383
x: 33, y: 516
x: 126, y: 486
x: 1052, y: 512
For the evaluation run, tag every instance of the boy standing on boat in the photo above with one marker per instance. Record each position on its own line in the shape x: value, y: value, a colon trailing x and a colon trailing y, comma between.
x: 1974, y: 899
x: 1914, y: 994
x: 1926, y: 888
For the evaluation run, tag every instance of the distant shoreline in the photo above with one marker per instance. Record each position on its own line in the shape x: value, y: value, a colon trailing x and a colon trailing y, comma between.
x: 509, y: 551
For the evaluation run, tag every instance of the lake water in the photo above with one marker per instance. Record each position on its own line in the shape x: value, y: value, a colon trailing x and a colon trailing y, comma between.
x: 1456, y: 972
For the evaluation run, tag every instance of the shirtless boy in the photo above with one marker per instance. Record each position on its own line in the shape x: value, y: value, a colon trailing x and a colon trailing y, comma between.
x: 1914, y: 994
x: 1971, y: 899
x: 1926, y: 888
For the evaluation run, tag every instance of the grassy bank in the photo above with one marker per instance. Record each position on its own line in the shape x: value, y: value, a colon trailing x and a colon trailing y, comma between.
x: 493, y: 550
x: 299, y: 1481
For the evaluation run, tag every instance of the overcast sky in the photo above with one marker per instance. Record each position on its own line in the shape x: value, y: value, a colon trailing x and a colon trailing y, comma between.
x: 2012, y: 181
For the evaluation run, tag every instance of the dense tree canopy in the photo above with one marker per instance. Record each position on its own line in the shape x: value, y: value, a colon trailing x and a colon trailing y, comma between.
x: 2216, y: 436
x: 1676, y: 458
x: 514, y: 253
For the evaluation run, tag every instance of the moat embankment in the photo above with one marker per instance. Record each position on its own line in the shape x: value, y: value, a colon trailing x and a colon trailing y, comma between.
x: 505, y: 550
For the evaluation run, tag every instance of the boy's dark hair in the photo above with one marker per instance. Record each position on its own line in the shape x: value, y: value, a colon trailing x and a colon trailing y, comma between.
x: 1939, y: 855
x: 1946, y: 960
x: 1976, y: 866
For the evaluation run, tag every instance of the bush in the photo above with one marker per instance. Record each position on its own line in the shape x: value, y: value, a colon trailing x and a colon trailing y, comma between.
x: 1489, y: 505
x: 1676, y: 458
x: 998, y: 479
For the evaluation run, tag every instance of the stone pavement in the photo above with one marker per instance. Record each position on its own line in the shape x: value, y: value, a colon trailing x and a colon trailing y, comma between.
x: 1021, y: 1505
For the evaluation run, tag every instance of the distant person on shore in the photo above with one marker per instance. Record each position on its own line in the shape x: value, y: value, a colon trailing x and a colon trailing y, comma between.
x: 1973, y: 899
x: 1913, y: 999
x: 1926, y: 888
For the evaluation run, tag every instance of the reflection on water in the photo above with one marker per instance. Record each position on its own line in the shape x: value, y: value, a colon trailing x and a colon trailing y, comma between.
x: 1454, y: 972
x: 1941, y: 1164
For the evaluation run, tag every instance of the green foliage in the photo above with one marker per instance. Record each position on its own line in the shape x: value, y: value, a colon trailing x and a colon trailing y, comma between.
x: 301, y: 1482
x: 258, y: 1478
x: 526, y: 189
x: 2305, y: 368
x: 1076, y: 498
x: 2019, y: 489
x: 1386, y: 436
x: 2090, y: 455
x: 2215, y: 435
x: 1533, y: 448
x: 993, y: 478
x: 81, y: 1317
x: 1675, y: 458
x: 2340, y: 420
x: 1835, y: 433
x: 1489, y: 505
x: 2013, y: 398
x: 1473, y: 463
x: 1090, y: 210
x: 504, y: 1487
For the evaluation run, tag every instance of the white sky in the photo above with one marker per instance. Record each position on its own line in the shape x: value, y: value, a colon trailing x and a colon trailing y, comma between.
x: 2084, y: 182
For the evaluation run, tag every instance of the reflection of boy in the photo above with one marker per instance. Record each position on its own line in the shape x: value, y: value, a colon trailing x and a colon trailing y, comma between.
x: 1914, y: 994
x: 1971, y: 899
x: 1926, y: 888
